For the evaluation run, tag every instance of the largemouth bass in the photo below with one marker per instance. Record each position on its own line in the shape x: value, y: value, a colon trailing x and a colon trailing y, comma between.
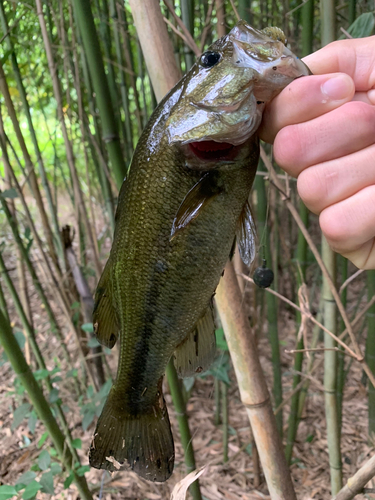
x: 181, y: 206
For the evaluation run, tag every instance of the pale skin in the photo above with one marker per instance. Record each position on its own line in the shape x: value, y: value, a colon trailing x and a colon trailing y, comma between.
x: 323, y: 131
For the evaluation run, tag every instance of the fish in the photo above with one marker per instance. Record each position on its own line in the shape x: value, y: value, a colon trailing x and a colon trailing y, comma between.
x: 181, y: 207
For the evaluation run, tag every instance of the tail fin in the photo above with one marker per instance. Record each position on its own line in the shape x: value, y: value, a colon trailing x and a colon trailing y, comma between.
x: 143, y: 443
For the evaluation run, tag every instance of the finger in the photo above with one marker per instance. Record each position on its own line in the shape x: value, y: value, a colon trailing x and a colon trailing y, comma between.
x: 355, y: 57
x: 349, y: 227
x: 328, y: 183
x: 305, y: 99
x: 341, y: 132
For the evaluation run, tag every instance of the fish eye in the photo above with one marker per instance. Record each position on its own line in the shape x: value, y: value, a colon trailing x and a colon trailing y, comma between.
x: 210, y: 58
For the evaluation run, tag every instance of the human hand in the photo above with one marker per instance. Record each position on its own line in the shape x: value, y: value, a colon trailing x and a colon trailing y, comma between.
x: 323, y: 129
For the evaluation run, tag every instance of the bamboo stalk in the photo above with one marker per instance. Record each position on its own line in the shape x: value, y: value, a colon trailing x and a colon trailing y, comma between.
x: 307, y: 15
x: 252, y: 386
x: 26, y: 109
x: 31, y: 177
x: 95, y: 62
x: 271, y: 302
x: 225, y: 422
x: 183, y: 424
x: 41, y: 405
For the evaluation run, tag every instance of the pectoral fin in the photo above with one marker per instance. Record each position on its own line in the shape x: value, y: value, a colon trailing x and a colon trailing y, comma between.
x: 199, y: 196
x: 104, y: 318
x: 196, y: 353
x: 246, y: 235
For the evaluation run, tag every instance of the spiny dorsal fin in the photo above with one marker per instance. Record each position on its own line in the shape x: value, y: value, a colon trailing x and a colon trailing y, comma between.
x: 104, y: 318
x: 246, y: 235
x: 196, y: 353
x: 202, y: 193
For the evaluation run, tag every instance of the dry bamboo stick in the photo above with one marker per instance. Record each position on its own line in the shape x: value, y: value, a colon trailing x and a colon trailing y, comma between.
x: 355, y: 484
x: 252, y: 386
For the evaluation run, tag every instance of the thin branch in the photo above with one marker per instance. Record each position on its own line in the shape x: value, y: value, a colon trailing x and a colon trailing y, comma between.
x: 190, y: 40
x: 349, y: 280
x: 311, y: 317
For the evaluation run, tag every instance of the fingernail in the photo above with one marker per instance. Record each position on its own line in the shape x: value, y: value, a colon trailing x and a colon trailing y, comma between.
x: 338, y: 87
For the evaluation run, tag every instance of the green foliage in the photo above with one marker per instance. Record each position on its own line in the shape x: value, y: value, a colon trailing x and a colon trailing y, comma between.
x: 362, y: 27
x: 94, y: 406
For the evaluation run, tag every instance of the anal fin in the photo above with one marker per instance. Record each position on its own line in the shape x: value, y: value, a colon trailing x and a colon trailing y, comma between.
x: 196, y: 353
x: 104, y: 317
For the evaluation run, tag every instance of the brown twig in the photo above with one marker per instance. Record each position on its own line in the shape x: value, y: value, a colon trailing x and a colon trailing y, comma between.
x: 349, y: 280
x: 310, y: 316
x: 207, y: 25
x: 190, y: 40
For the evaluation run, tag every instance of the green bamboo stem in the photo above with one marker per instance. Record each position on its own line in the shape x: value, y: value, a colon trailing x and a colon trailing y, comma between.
x: 330, y: 372
x: 78, y: 195
x: 301, y: 254
x: 105, y: 38
x: 217, y: 395
x: 129, y: 59
x: 352, y: 11
x: 328, y: 34
x: 41, y: 405
x: 25, y: 256
x: 244, y: 10
x: 22, y: 315
x: 187, y: 11
x: 123, y: 86
x: 26, y: 109
x: 225, y: 421
x: 95, y: 63
x: 341, y: 372
x: 327, y: 21
x: 183, y: 424
x: 271, y: 301
x: 30, y: 174
x: 370, y: 353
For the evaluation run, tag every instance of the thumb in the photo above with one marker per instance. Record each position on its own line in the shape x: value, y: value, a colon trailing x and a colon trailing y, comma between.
x: 305, y: 99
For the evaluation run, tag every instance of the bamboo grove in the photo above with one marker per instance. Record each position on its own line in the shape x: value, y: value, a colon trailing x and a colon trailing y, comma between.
x: 78, y: 82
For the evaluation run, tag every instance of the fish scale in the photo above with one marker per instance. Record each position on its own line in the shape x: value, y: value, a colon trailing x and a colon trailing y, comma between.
x: 179, y: 210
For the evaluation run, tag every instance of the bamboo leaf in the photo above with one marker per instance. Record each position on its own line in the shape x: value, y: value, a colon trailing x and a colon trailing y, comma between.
x: 31, y: 490
x: 19, y: 414
x: 180, y: 490
x: 47, y: 483
x: 77, y: 444
x: 7, y: 492
x: 44, y: 460
x: 26, y: 478
x: 9, y: 194
x: 363, y: 26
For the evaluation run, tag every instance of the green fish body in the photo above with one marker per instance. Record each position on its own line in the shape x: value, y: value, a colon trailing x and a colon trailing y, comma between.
x: 180, y: 208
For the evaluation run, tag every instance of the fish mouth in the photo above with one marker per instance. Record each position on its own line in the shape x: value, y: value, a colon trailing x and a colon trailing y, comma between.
x: 212, y: 150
